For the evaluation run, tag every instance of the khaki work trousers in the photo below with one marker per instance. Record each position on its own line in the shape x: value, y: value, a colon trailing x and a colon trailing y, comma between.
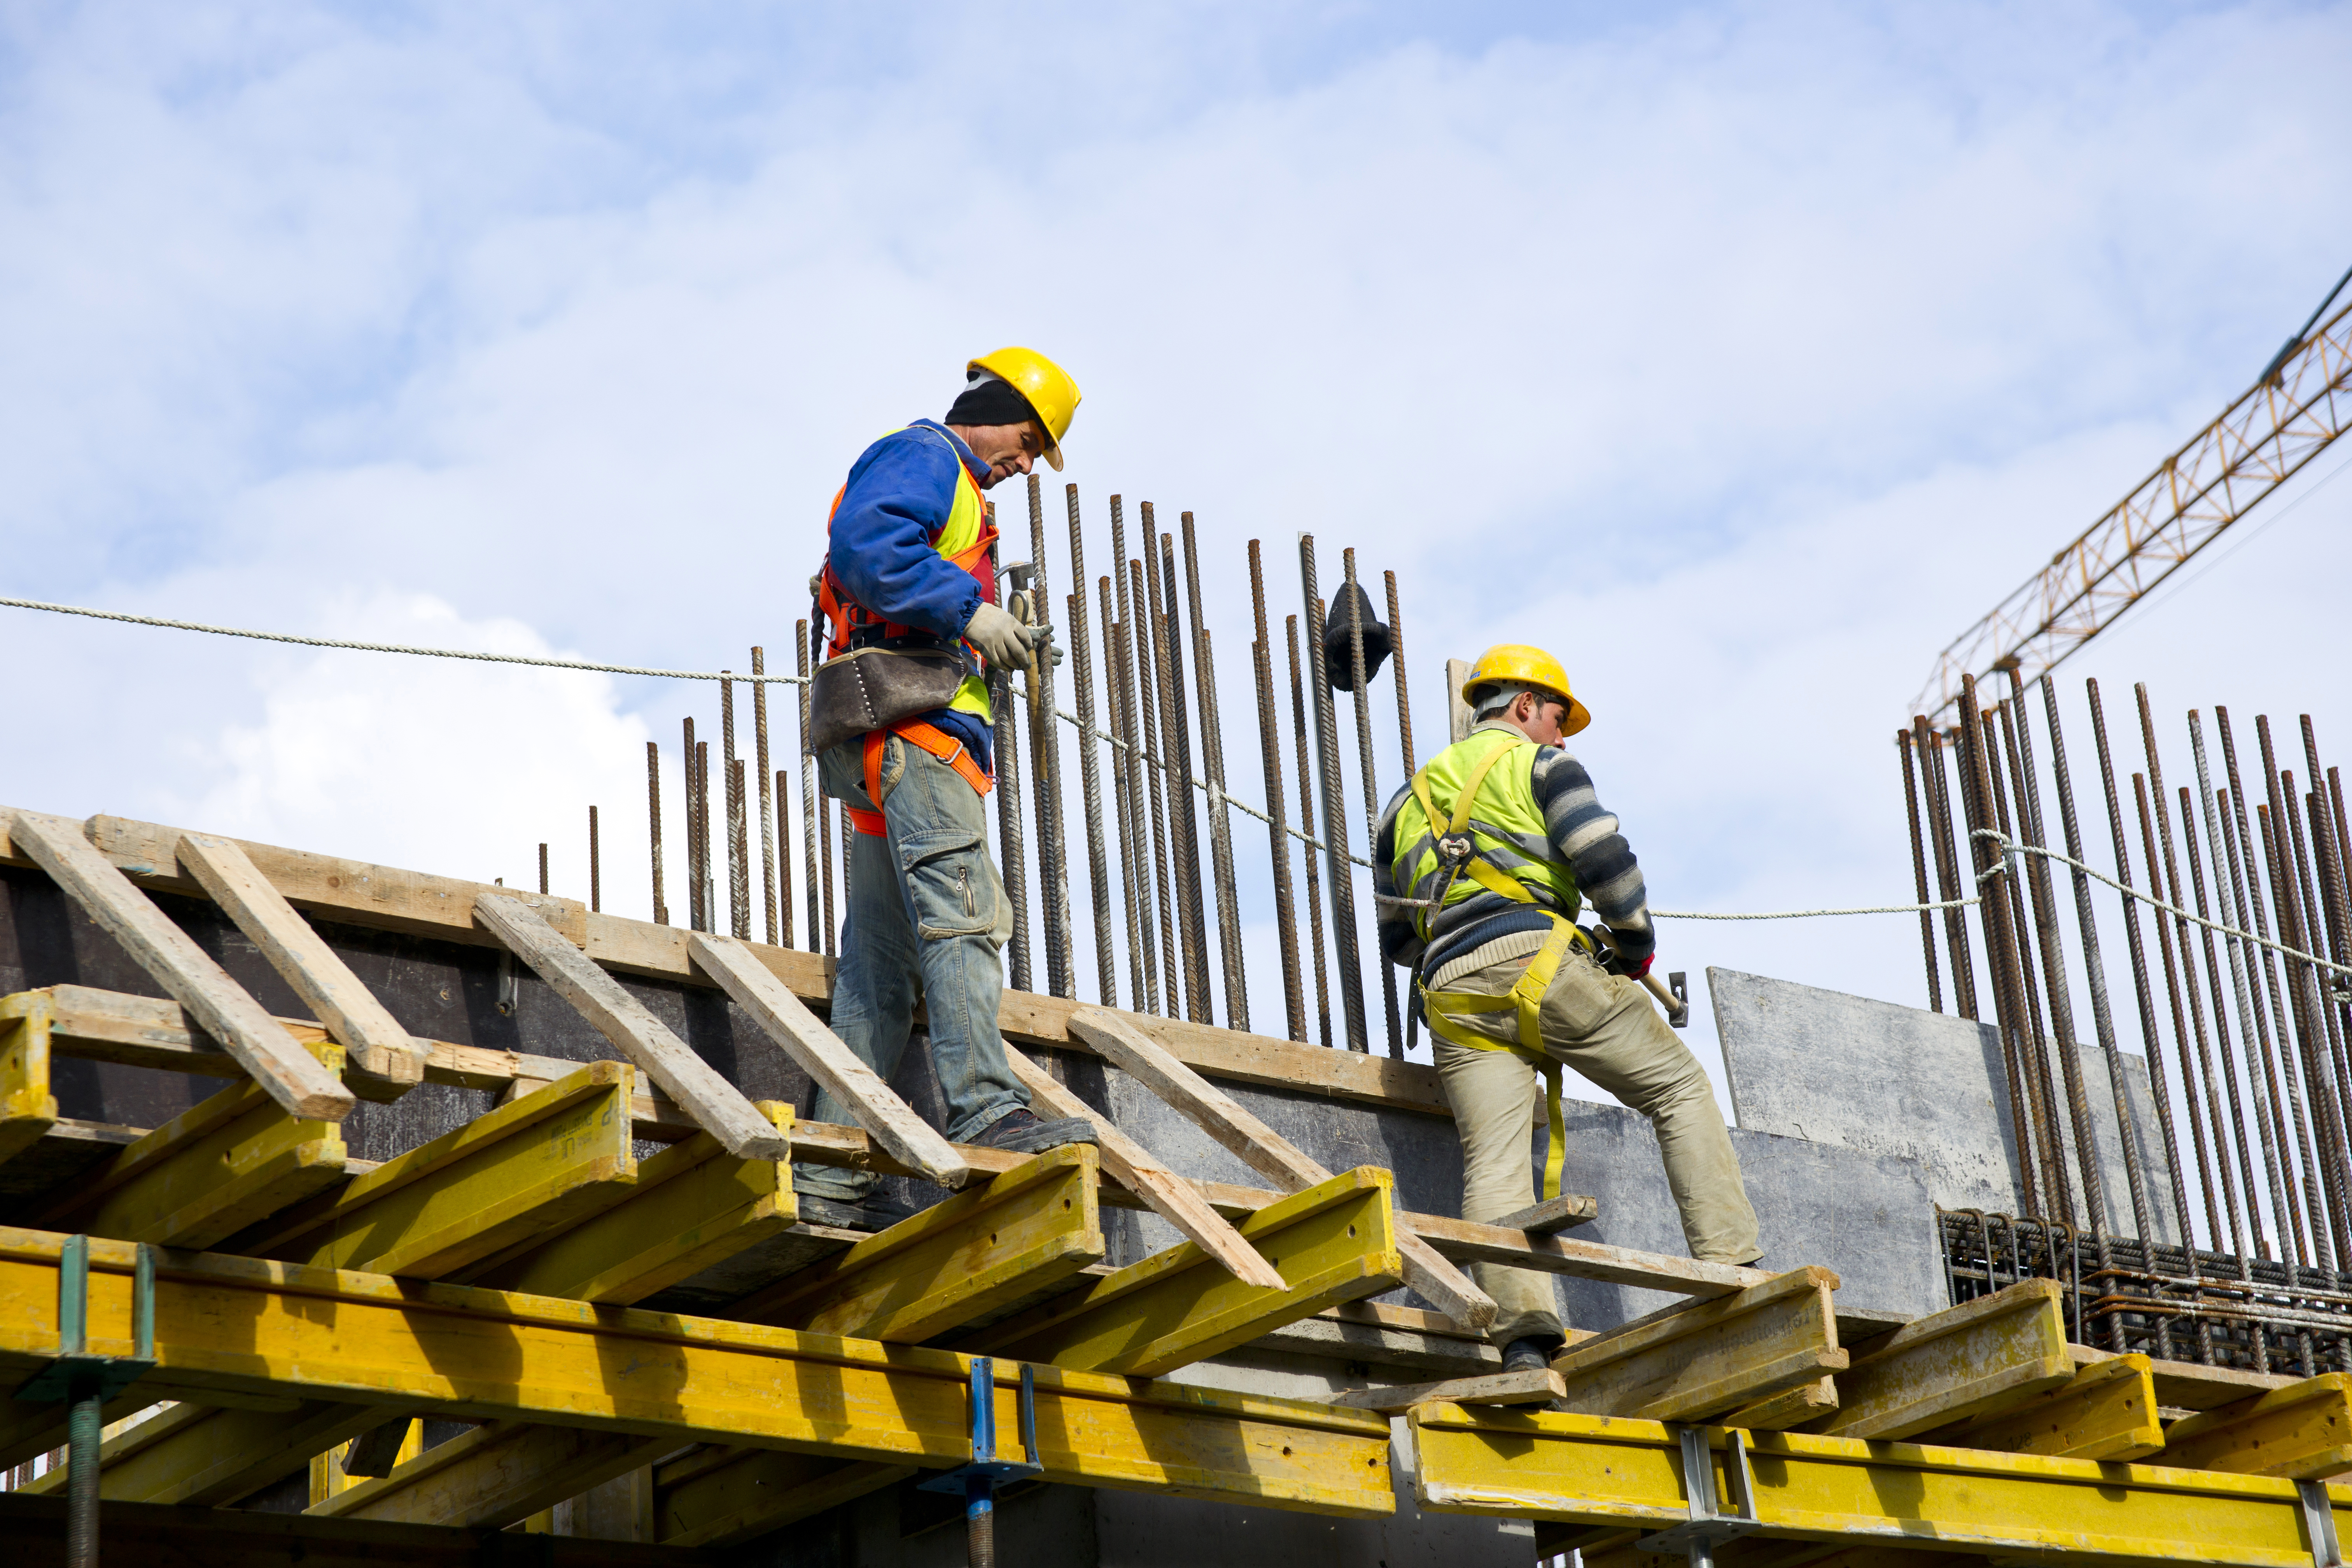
x: 1604, y: 1027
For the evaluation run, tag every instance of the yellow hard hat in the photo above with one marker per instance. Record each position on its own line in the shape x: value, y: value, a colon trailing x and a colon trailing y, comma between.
x: 1520, y: 664
x: 1047, y: 385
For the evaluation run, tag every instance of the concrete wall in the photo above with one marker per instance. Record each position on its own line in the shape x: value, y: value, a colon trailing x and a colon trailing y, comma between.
x: 1848, y: 1072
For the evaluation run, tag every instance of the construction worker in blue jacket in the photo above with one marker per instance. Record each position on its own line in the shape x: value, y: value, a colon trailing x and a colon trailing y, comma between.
x: 910, y: 564
x: 1499, y: 842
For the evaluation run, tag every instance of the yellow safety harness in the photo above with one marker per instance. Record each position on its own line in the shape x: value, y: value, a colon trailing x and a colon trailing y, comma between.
x: 1443, y: 1008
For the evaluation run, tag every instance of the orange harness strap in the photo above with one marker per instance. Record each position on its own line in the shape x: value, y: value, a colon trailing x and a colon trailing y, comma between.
x: 931, y: 738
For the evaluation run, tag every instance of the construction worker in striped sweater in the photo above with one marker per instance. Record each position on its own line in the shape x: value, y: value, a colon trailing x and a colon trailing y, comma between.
x: 910, y: 566
x: 1502, y: 839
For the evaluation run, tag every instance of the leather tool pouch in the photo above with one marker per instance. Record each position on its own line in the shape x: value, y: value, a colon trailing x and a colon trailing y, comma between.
x: 875, y: 688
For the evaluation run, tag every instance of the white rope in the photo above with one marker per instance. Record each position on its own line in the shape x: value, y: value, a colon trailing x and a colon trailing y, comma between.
x: 1816, y: 914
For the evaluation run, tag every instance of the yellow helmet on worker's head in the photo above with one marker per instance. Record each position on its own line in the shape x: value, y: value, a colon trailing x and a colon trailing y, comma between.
x: 1047, y: 385
x: 1519, y: 664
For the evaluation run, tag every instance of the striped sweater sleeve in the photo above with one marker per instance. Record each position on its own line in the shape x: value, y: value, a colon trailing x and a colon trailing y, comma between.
x: 1399, y: 943
x: 1584, y: 834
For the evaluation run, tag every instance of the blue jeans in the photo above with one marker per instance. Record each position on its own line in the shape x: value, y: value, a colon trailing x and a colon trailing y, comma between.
x: 928, y: 919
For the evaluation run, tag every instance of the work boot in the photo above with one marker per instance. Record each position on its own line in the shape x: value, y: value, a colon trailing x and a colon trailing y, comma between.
x: 1020, y: 1130
x: 1530, y: 1354
x: 876, y: 1211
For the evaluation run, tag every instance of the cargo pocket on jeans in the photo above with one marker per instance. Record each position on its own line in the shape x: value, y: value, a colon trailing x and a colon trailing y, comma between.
x: 947, y: 877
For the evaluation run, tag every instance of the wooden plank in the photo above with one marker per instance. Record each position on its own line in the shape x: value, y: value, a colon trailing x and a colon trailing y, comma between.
x: 741, y: 1493
x: 520, y: 1172
x: 1465, y: 1241
x: 824, y: 1057
x: 1265, y: 1151
x: 1791, y: 1407
x: 644, y: 1039
x: 2302, y: 1432
x: 2189, y: 1386
x: 691, y: 1208
x: 984, y: 1248
x: 1489, y: 1388
x: 492, y: 1477
x: 291, y: 1076
x: 1553, y: 1215
x: 1334, y: 1242
x: 197, y: 1454
x: 1170, y: 1197
x: 221, y: 1165
x: 1706, y: 1359
x: 2107, y: 1411
x: 27, y: 1109
x: 383, y: 1063
x: 1992, y: 1353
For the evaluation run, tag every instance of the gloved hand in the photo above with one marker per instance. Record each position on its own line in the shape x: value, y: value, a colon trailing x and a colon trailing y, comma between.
x: 1042, y: 637
x: 1632, y: 971
x: 1002, y: 640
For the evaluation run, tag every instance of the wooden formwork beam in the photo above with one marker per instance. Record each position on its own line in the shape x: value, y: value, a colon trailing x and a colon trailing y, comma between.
x: 1334, y: 1242
x: 1979, y: 1358
x: 1703, y: 1360
x: 2302, y: 1432
x: 1487, y: 1388
x: 2106, y: 1411
x: 983, y: 1249
x: 249, y: 1326
x: 493, y: 1476
x: 290, y: 1076
x: 218, y: 1167
x: 383, y: 1063
x: 201, y: 1455
x: 1614, y: 1473
x: 27, y: 1109
x: 717, y: 1496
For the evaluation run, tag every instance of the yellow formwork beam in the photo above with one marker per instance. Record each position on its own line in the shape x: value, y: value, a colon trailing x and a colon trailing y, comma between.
x: 248, y: 1326
x: 691, y: 1205
x: 2107, y: 1412
x: 225, y: 1162
x: 1334, y: 1242
x: 199, y: 1454
x: 552, y: 1157
x: 984, y: 1248
x: 1620, y: 1473
x: 27, y: 1109
x: 2303, y: 1431
x: 714, y: 1496
x: 491, y: 1477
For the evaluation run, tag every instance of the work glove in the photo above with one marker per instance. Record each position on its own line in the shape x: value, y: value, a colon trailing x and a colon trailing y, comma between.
x: 1002, y: 640
x: 1042, y: 637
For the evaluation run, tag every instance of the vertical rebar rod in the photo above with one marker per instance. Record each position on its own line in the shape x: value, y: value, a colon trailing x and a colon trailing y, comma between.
x: 1045, y: 771
x: 1011, y: 847
x: 2238, y: 1120
x: 1143, y: 793
x: 739, y: 858
x: 595, y: 866
x: 783, y: 863
x: 2065, y: 1039
x: 1134, y: 882
x: 2278, y: 1054
x: 653, y: 828
x: 2282, y: 848
x: 811, y: 831
x: 767, y: 804
x: 1082, y: 675
x: 1157, y: 782
x: 1286, y: 913
x: 1335, y: 807
x: 1364, y: 770
x: 1920, y: 872
x: 1213, y: 764
x: 1396, y: 673
x: 1176, y: 747
x: 2151, y: 1035
x: 2320, y: 883
x: 542, y: 868
x: 702, y: 835
x: 1994, y: 872
x: 85, y: 1432
x: 2041, y: 1087
x: 1306, y: 825
x: 2281, y: 1215
x: 693, y: 836
x: 1936, y: 777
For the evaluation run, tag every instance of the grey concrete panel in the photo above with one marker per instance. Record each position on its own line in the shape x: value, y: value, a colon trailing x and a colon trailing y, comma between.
x: 1876, y: 1077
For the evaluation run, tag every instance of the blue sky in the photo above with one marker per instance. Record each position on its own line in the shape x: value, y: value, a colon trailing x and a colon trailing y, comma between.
x: 1742, y: 354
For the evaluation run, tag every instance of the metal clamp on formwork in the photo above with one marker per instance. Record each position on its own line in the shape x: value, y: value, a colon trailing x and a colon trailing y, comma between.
x: 1708, y: 1524
x: 978, y: 1481
x: 2319, y: 1525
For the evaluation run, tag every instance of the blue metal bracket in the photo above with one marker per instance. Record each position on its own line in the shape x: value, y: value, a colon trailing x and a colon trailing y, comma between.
x: 75, y: 1371
x: 977, y: 1481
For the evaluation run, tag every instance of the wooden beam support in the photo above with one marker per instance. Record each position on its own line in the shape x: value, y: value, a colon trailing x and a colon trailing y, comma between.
x: 1553, y: 1215
x: 644, y: 1039
x: 1335, y: 1242
x: 2107, y: 1411
x: 291, y: 1076
x: 1265, y: 1151
x: 1705, y: 1360
x: 1465, y: 1241
x: 200, y: 1454
x: 27, y: 1109
x: 984, y: 1249
x: 493, y: 1476
x: 1979, y: 1358
x: 692, y: 1206
x: 2302, y: 1432
x: 715, y: 1497
x: 246, y: 1325
x: 1790, y: 1408
x: 1179, y: 1202
x: 225, y: 1162
x: 509, y: 1177
x: 825, y: 1057
x: 1488, y: 1388
x: 383, y: 1062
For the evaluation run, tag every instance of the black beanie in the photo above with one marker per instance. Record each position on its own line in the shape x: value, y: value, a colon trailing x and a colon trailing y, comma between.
x: 1339, y: 652
x: 991, y: 400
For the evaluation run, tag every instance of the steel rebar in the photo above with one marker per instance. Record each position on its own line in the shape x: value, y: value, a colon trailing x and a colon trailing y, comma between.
x: 1937, y: 778
x: 783, y: 810
x: 542, y: 868
x: 1364, y: 770
x: 1082, y: 675
x: 595, y: 866
x: 1045, y: 773
x: 2226, y: 1058
x: 767, y: 804
x: 702, y: 835
x: 1176, y: 752
x: 1286, y: 914
x: 1213, y: 764
x: 2041, y: 1084
x: 1157, y: 785
x: 693, y: 836
x: 1344, y: 934
x: 811, y: 831
x: 2325, y: 1132
x: 1306, y: 825
x: 1011, y: 847
x: 1396, y: 673
x: 739, y: 858
x: 1993, y: 873
x: 1920, y: 872
x: 2321, y: 885
x: 1133, y: 880
x: 654, y: 827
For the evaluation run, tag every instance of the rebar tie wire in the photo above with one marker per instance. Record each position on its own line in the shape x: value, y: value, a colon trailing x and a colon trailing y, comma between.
x: 2009, y: 846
